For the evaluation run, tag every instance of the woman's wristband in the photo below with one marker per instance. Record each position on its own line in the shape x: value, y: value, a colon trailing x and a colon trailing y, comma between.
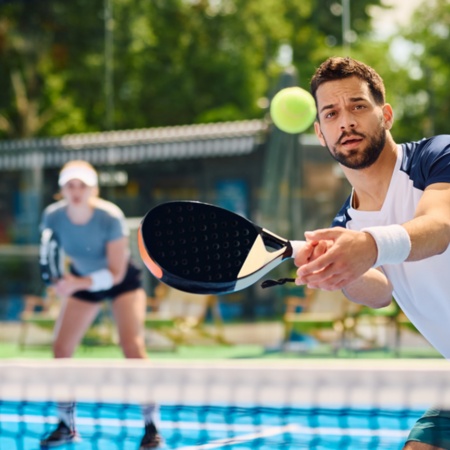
x: 102, y: 280
x: 393, y: 243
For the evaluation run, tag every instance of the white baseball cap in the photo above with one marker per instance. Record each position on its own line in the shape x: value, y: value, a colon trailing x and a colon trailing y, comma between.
x: 83, y: 173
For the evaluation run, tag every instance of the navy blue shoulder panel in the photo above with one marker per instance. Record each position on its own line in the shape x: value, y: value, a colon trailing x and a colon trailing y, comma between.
x: 342, y: 217
x: 427, y: 161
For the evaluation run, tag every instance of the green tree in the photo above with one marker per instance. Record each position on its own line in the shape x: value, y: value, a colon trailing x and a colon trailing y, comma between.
x: 174, y: 61
x: 425, y: 97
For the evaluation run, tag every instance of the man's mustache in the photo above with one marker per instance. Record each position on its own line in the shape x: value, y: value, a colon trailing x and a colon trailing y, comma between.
x: 349, y: 135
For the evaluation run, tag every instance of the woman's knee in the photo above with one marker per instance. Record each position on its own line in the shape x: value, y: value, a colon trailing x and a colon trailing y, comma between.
x: 134, y: 348
x: 62, y: 349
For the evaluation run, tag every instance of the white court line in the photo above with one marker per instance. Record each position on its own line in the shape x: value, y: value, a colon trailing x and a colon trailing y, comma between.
x: 240, y: 439
x: 272, y: 431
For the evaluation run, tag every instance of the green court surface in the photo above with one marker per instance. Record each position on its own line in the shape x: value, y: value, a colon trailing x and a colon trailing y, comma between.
x: 12, y: 350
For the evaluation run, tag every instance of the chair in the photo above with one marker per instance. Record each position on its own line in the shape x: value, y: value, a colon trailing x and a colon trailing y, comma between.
x: 42, y: 312
x: 326, y: 315
x: 389, y: 317
x: 181, y: 316
x: 39, y: 311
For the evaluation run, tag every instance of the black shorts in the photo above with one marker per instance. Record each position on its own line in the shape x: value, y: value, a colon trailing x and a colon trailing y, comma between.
x: 131, y: 282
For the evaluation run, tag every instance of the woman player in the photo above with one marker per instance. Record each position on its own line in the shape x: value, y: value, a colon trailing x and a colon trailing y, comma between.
x: 93, y: 235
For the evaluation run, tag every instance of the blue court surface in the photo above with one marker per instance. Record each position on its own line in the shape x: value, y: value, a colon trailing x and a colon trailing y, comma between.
x: 117, y: 426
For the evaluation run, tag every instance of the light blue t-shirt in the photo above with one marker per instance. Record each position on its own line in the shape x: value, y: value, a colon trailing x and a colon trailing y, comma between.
x: 85, y: 244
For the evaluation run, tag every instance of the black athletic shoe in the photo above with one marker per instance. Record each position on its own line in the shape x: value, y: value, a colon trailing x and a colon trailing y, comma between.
x: 60, y: 436
x: 151, y: 438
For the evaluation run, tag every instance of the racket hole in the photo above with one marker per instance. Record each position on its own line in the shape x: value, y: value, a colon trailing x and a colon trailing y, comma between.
x: 236, y: 253
x: 236, y: 244
x: 171, y: 242
x: 215, y: 246
x: 158, y: 234
x: 184, y: 262
x: 216, y: 257
x: 218, y: 276
x: 196, y: 270
x: 180, y: 219
x: 193, y: 240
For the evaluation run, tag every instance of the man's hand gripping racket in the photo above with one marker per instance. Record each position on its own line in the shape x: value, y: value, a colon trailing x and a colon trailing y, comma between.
x: 51, y: 259
x: 203, y: 249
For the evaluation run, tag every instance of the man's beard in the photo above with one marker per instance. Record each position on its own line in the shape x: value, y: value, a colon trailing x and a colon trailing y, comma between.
x: 364, y: 160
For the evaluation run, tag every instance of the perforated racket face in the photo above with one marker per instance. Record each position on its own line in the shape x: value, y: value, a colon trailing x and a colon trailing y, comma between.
x: 199, y: 247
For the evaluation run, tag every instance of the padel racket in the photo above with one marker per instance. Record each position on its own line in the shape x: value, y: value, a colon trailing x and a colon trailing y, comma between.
x: 203, y: 249
x: 51, y: 260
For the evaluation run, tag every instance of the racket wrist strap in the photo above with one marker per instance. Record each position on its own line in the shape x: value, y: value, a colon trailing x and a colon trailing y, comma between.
x: 393, y: 243
x: 102, y: 280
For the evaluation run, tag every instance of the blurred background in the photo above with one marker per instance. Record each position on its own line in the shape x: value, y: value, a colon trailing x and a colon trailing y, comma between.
x: 169, y: 100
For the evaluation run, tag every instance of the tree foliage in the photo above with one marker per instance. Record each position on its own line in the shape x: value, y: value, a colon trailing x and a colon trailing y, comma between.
x: 173, y: 61
x: 423, y: 97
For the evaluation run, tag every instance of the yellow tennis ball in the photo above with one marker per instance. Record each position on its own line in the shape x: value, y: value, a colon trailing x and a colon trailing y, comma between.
x: 293, y: 110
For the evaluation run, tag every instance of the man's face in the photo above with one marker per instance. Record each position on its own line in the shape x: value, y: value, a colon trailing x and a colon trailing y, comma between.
x: 351, y: 124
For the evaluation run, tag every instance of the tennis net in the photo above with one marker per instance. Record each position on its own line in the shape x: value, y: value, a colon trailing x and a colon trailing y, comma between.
x: 271, y: 404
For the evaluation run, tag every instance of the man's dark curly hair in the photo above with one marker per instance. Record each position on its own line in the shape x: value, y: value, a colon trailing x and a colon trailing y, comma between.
x: 337, y: 68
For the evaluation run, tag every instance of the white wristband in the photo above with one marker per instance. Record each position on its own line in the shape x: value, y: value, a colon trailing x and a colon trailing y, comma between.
x: 393, y: 243
x: 102, y: 280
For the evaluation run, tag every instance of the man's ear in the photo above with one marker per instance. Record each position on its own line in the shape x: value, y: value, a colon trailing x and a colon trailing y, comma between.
x: 319, y: 133
x: 388, y: 115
